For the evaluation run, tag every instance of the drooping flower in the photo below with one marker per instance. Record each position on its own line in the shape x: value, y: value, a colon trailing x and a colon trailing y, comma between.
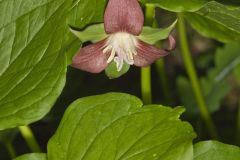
x: 123, y: 23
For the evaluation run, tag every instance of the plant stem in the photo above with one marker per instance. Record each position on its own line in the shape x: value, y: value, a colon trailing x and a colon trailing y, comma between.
x: 30, y: 139
x: 10, y: 149
x: 146, y: 71
x: 160, y: 65
x: 238, y: 124
x: 146, y: 85
x: 191, y: 71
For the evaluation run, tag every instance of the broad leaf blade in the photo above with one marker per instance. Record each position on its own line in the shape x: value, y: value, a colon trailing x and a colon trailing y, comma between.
x: 213, y: 150
x: 116, y: 126
x: 84, y: 12
x: 32, y: 156
x: 34, y: 38
x: 34, y: 74
x: 216, y: 21
x: 178, y: 5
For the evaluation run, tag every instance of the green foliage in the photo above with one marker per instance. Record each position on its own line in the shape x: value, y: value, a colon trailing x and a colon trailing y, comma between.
x: 216, y: 21
x: 117, y: 126
x: 32, y: 156
x: 34, y: 37
x: 83, y: 12
x: 214, y: 85
x: 178, y: 5
x: 213, y: 150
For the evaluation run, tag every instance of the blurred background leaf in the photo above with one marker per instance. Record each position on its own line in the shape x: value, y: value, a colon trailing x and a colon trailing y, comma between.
x: 214, y: 84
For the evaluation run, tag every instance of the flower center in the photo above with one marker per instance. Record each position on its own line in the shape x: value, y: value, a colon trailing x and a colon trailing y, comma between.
x: 122, y: 46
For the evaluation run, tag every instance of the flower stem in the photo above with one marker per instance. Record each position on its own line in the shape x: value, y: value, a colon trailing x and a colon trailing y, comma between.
x: 191, y: 71
x: 160, y: 66
x: 146, y: 71
x: 146, y: 85
x: 30, y: 139
x: 10, y: 149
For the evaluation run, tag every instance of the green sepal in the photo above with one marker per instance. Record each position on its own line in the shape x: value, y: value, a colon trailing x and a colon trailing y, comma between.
x: 96, y: 32
x: 152, y: 35
x: 112, y: 72
x: 93, y: 33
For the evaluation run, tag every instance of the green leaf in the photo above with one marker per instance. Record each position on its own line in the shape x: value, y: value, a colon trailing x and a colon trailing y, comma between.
x: 112, y: 72
x: 32, y: 63
x: 117, y: 126
x: 33, y: 156
x: 34, y: 38
x: 84, y: 12
x: 178, y: 5
x: 213, y: 150
x: 93, y: 33
x: 152, y: 35
x: 216, y: 21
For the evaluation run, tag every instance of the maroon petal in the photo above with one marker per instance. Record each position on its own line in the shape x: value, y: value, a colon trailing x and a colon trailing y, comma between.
x: 91, y: 58
x: 123, y: 15
x: 147, y: 54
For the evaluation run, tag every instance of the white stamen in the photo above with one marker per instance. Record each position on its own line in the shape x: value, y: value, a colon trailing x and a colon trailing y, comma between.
x: 107, y: 49
x: 111, y: 57
x: 123, y: 48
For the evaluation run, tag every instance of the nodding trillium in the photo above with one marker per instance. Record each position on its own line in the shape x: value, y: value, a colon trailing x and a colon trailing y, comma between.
x: 123, y: 23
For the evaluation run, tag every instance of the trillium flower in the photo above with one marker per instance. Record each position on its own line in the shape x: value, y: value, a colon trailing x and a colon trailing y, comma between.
x: 123, y: 23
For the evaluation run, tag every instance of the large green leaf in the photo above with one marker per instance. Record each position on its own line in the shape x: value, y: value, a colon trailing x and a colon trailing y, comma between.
x: 33, y: 156
x: 85, y: 12
x: 178, y: 5
x: 216, y: 21
x: 213, y: 150
x: 34, y: 38
x: 116, y: 126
